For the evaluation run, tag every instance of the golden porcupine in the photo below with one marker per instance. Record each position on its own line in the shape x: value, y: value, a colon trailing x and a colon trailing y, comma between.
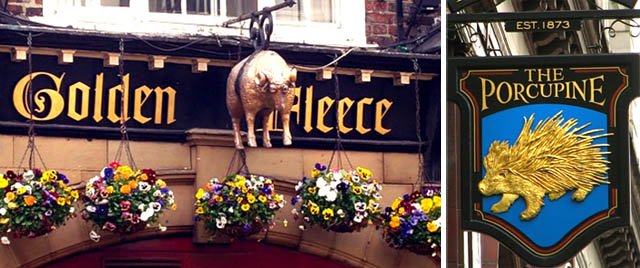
x: 553, y: 158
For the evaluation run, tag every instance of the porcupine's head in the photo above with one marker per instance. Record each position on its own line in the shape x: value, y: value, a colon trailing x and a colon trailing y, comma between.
x: 495, y: 180
x: 556, y: 155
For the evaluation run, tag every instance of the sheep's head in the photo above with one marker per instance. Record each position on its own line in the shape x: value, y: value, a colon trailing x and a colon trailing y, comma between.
x: 277, y: 85
x: 496, y: 176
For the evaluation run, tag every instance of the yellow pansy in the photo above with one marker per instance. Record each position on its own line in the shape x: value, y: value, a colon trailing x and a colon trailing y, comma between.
x: 245, y: 207
x: 268, y: 181
x: 218, y: 198
x: 109, y: 189
x: 239, y: 199
x: 61, y: 201
x: 278, y: 198
x: 312, y: 189
x: 21, y: 190
x: 327, y: 213
x: 396, y: 203
x: 262, y: 198
x: 67, y: 189
x: 395, y: 222
x: 240, y: 180
x: 401, y: 211
x: 315, y: 173
x: 251, y: 198
x: 426, y: 204
x: 124, y: 171
x: 75, y: 194
x: 199, y: 210
x: 49, y: 175
x: 12, y: 205
x: 174, y: 206
x: 125, y: 189
x: 437, y: 202
x: 161, y: 183
x: 364, y: 173
x: 199, y: 193
x: 4, y: 220
x: 133, y: 184
x: 144, y: 177
x: 432, y: 226
x: 244, y: 189
x: 313, y: 208
x: 10, y: 196
x: 3, y: 182
x: 356, y: 189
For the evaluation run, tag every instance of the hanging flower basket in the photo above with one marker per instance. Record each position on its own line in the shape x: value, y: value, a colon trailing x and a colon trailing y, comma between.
x: 122, y: 200
x: 239, y: 206
x: 413, y: 222
x: 339, y: 200
x: 35, y: 203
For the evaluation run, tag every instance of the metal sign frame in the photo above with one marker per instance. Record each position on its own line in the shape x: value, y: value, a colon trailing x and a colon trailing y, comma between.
x: 475, y: 217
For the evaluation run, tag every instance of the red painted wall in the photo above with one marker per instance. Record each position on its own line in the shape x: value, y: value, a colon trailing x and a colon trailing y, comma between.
x: 181, y: 250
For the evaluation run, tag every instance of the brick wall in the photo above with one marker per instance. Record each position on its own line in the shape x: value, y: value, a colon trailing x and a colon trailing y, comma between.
x: 27, y: 8
x: 381, y: 21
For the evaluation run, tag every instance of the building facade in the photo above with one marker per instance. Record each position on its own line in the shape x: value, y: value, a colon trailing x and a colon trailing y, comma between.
x: 174, y: 58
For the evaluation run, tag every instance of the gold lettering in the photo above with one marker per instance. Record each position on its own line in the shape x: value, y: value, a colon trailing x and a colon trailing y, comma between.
x: 595, y: 89
x: 295, y: 108
x: 113, y: 101
x: 308, y: 108
x: 542, y: 87
x: 360, y: 115
x: 531, y: 96
x: 581, y: 91
x: 97, y: 105
x: 519, y: 89
x: 171, y: 104
x: 484, y: 91
x: 499, y: 96
x: 84, y: 105
x: 382, y: 107
x: 138, y: 102
x: 324, y: 105
x: 21, y: 97
x: 344, y: 105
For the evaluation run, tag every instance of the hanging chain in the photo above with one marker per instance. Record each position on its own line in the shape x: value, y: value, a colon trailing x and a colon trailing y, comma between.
x: 338, y: 150
x: 421, y: 174
x: 124, y: 135
x: 31, y: 150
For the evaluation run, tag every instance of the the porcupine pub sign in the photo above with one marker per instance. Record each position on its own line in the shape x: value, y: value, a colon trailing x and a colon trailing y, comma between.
x: 545, y: 149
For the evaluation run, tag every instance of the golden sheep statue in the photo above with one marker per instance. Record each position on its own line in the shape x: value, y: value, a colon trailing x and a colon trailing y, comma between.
x: 552, y: 159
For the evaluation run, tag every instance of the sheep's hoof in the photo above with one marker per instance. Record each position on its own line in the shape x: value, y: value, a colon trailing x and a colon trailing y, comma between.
x: 528, y: 214
x: 555, y: 195
x: 266, y: 144
x: 252, y: 143
x: 286, y: 141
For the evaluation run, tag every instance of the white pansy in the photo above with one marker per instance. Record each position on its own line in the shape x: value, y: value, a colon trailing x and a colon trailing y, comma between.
x: 5, y: 240
x: 92, y: 180
x: 366, y: 187
x: 72, y: 210
x: 355, y: 178
x: 293, y: 211
x: 141, y: 207
x: 148, y: 213
x: 102, y: 173
x: 157, y: 193
x: 155, y: 206
x: 360, y: 206
x: 90, y: 192
x: 91, y: 209
x: 3, y: 211
x: 95, y: 237
x: 298, y: 186
x: 144, y: 186
x: 340, y: 213
x: 230, y: 210
x: 417, y: 207
x: 162, y: 228
x: 16, y: 186
x: 28, y: 175
x: 358, y: 218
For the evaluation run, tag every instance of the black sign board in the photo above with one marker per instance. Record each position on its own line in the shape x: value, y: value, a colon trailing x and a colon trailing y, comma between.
x: 83, y: 99
x: 542, y: 25
x: 545, y: 149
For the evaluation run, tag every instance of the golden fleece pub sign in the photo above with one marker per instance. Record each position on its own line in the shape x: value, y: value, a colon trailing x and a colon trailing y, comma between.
x: 544, y: 149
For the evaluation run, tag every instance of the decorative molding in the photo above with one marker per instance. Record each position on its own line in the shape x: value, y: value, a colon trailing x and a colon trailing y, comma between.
x: 402, y: 79
x: 363, y: 76
x: 65, y: 56
x: 111, y: 59
x: 199, y: 65
x: 324, y: 74
x: 156, y: 62
x: 211, y: 137
x: 18, y: 54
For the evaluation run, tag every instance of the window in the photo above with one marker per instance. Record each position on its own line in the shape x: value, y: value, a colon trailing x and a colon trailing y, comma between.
x: 325, y: 22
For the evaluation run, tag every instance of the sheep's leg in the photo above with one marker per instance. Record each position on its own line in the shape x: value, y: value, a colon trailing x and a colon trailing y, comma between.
x: 251, y: 134
x: 505, y: 203
x: 535, y: 200
x: 556, y: 195
x: 581, y: 194
x: 286, y: 135
x: 266, y: 138
x: 237, y: 138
